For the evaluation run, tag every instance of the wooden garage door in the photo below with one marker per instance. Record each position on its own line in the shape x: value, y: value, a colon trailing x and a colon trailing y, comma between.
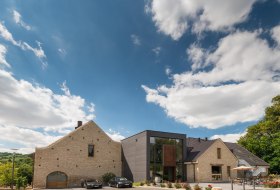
x: 56, y: 180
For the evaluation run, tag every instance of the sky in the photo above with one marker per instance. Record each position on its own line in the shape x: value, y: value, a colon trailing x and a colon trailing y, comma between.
x: 204, y: 68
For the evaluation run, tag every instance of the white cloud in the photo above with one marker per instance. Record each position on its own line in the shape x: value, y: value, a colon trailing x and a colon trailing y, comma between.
x: 242, y: 79
x: 3, y: 52
x: 157, y: 50
x: 168, y: 71
x: 38, y: 52
x: 19, y: 21
x: 31, y: 112
x: 229, y: 137
x: 135, y: 39
x: 19, y: 150
x: 197, y: 56
x: 27, y: 109
x: 38, y: 107
x: 91, y: 108
x: 27, y: 138
x: 62, y: 51
x: 116, y: 136
x: 175, y: 17
x: 4, y: 33
x: 275, y: 32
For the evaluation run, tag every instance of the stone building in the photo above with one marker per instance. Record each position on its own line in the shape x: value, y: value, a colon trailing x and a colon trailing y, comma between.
x: 87, y: 152
x: 213, y: 160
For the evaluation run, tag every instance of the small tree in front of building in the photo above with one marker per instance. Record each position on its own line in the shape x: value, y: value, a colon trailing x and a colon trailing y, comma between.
x: 21, y: 182
x: 107, y: 177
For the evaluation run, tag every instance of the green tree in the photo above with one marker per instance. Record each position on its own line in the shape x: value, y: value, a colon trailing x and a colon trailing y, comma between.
x: 6, y: 174
x: 263, y: 138
x: 25, y: 171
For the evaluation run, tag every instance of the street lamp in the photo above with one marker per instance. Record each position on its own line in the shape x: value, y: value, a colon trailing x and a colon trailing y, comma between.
x: 13, y: 169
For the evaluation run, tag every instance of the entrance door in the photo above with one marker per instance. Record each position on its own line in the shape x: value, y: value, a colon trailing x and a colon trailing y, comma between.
x: 169, y: 173
x: 56, y: 180
x: 169, y: 162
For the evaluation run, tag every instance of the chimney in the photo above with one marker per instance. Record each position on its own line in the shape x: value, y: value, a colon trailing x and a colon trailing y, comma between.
x: 79, y: 124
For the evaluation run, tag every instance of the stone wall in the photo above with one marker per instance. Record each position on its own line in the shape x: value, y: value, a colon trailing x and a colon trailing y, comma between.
x: 209, y: 159
x: 70, y: 155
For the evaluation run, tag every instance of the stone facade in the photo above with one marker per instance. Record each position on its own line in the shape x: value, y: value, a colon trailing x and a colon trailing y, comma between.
x: 70, y: 156
x: 201, y: 169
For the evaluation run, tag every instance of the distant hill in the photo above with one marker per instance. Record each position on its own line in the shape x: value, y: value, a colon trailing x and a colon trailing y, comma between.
x: 20, y: 159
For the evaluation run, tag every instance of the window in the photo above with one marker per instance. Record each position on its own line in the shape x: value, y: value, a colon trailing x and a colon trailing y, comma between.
x: 219, y: 153
x: 228, y: 171
x: 216, y: 173
x: 90, y: 150
x: 158, y: 158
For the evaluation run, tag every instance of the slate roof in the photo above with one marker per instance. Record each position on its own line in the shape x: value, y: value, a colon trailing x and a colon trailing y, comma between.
x: 242, y: 153
x: 196, y: 147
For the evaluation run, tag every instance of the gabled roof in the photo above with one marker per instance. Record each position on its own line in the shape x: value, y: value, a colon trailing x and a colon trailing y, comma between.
x: 242, y: 153
x: 196, y: 147
x: 87, y: 124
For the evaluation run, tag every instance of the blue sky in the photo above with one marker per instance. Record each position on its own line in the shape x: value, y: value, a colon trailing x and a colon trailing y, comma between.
x: 203, y: 68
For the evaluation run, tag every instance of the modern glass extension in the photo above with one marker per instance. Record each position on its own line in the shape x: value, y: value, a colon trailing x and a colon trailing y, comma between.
x: 166, y: 158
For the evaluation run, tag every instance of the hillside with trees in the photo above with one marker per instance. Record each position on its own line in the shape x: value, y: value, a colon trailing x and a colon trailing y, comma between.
x: 23, y: 168
x: 263, y: 138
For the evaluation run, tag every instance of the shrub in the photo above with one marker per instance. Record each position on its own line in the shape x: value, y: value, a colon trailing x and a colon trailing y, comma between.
x: 21, y: 182
x: 162, y: 185
x: 136, y: 184
x: 107, y: 177
x: 186, y: 186
x: 197, y: 187
x: 209, y: 187
x: 148, y: 183
x: 141, y: 183
x: 177, y: 185
x: 272, y: 184
x: 169, y: 184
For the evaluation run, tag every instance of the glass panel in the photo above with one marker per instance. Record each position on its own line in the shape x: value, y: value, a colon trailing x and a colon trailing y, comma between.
x: 179, y: 171
x: 179, y: 150
x: 157, y: 167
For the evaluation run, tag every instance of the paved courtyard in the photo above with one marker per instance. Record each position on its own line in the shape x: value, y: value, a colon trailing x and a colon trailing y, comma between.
x: 224, y: 186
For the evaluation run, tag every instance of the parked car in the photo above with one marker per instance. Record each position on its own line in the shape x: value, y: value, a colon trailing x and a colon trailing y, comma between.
x: 93, y: 183
x: 120, y: 182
